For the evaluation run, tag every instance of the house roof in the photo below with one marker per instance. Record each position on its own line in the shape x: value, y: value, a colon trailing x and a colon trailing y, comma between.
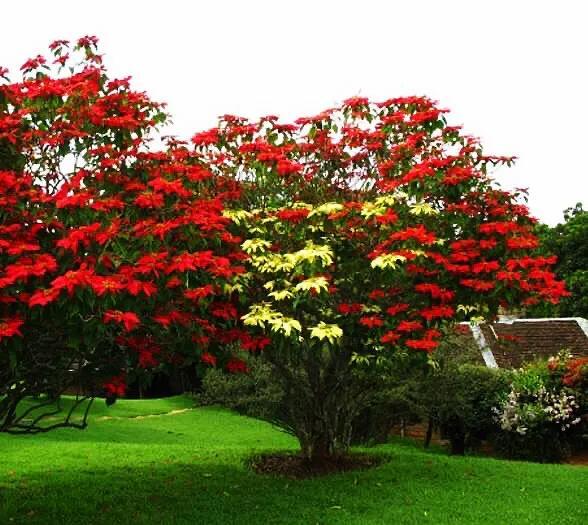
x: 510, y: 343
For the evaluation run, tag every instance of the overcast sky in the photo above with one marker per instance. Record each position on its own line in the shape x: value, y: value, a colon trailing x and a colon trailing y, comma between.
x: 513, y: 73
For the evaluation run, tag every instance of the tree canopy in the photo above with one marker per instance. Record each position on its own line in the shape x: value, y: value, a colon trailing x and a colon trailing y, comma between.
x: 568, y: 241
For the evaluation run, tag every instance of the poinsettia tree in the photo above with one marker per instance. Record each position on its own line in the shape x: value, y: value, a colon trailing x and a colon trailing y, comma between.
x: 114, y: 255
x: 368, y: 228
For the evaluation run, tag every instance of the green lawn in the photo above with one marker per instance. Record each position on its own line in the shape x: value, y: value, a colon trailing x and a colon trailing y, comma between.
x: 188, y: 468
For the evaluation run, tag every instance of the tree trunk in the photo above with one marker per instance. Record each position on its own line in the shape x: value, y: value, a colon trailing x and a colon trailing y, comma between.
x: 429, y: 434
x: 321, y: 398
x: 457, y: 444
x: 319, y: 449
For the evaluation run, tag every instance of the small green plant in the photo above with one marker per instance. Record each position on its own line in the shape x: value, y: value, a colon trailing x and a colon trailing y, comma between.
x: 253, y: 394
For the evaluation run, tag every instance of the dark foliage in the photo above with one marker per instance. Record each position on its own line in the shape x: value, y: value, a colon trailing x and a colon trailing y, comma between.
x: 569, y: 242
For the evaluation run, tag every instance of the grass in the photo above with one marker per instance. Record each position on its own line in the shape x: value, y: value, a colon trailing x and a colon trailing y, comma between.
x: 188, y: 467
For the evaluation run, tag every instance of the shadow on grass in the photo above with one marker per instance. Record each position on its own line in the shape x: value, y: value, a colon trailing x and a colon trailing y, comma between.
x: 178, y: 493
x: 150, y: 434
x: 406, y: 489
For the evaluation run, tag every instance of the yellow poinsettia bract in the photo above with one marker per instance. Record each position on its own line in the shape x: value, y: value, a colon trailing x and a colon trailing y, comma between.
x: 423, y: 208
x: 370, y: 209
x: 280, y: 295
x: 326, y: 209
x: 310, y: 253
x: 260, y: 314
x: 330, y: 332
x: 313, y: 283
x: 272, y: 263
x: 237, y: 216
x: 285, y: 325
x: 388, y: 260
x: 255, y: 245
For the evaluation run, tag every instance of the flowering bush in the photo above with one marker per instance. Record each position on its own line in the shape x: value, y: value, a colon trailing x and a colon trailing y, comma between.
x: 114, y: 255
x: 540, y: 414
x: 572, y: 372
x: 523, y: 412
x: 368, y: 228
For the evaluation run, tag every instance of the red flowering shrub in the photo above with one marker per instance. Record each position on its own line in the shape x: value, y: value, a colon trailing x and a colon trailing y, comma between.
x: 571, y: 372
x: 368, y: 227
x: 113, y: 255
x: 577, y: 373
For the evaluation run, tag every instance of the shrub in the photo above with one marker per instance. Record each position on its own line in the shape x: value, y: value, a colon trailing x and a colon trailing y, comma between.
x: 395, y: 398
x: 458, y: 394
x: 391, y: 405
x: 259, y: 394
x: 460, y: 400
x: 539, y: 417
x: 254, y: 394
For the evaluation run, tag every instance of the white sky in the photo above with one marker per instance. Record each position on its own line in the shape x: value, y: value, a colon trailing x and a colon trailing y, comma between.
x: 513, y: 73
